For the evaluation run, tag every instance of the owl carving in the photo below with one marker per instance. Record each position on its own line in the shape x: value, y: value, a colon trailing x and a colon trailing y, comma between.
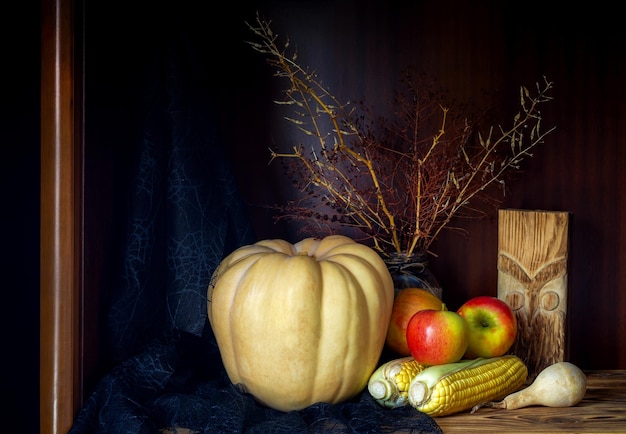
x: 532, y: 280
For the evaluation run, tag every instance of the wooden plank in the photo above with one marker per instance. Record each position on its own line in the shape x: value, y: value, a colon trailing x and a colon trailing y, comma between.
x: 602, y: 410
x: 60, y: 249
x: 532, y: 279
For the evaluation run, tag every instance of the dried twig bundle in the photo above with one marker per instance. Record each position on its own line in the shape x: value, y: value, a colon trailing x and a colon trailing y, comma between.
x: 398, y: 182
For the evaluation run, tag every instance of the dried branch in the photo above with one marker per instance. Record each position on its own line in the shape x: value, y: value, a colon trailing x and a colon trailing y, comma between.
x: 399, y: 182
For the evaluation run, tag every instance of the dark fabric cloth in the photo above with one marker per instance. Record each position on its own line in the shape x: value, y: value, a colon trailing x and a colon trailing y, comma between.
x: 180, y: 383
x: 184, y: 216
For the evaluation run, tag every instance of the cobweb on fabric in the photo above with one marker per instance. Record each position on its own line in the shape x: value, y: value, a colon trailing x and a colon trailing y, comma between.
x: 185, y: 215
x: 180, y: 385
x: 197, y: 230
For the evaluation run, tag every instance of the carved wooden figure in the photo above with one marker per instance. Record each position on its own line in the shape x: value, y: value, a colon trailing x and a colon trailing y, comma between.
x: 532, y: 279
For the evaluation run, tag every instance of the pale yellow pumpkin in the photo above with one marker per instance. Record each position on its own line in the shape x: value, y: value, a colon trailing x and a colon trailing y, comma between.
x: 301, y: 323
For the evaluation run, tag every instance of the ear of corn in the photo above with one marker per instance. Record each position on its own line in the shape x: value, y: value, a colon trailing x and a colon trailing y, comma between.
x: 389, y: 384
x: 446, y: 389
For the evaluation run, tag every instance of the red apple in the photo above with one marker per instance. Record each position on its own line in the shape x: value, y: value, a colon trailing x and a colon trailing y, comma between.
x: 436, y: 337
x: 407, y: 303
x: 492, y: 326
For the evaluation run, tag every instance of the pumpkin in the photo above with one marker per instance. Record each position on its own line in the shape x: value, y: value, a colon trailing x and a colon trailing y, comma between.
x: 301, y: 323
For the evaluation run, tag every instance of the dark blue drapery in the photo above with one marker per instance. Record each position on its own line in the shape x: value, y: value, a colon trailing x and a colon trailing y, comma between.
x: 185, y: 214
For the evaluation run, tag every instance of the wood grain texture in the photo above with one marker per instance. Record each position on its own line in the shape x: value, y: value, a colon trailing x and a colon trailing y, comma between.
x: 532, y: 280
x: 600, y: 411
x: 61, y: 207
x: 484, y: 52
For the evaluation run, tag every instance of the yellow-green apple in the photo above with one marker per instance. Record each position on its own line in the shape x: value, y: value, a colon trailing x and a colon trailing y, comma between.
x: 436, y: 337
x: 407, y: 303
x: 492, y: 326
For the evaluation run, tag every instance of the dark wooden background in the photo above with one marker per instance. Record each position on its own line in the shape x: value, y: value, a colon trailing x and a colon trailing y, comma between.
x: 482, y: 52
x: 479, y: 51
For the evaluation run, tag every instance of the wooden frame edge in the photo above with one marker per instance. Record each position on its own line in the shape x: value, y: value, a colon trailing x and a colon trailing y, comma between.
x: 60, y: 219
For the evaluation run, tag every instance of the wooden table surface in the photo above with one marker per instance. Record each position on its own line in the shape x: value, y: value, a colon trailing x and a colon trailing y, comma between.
x: 602, y: 410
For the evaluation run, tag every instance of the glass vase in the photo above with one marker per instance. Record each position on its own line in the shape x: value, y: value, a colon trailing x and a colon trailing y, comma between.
x: 411, y: 271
